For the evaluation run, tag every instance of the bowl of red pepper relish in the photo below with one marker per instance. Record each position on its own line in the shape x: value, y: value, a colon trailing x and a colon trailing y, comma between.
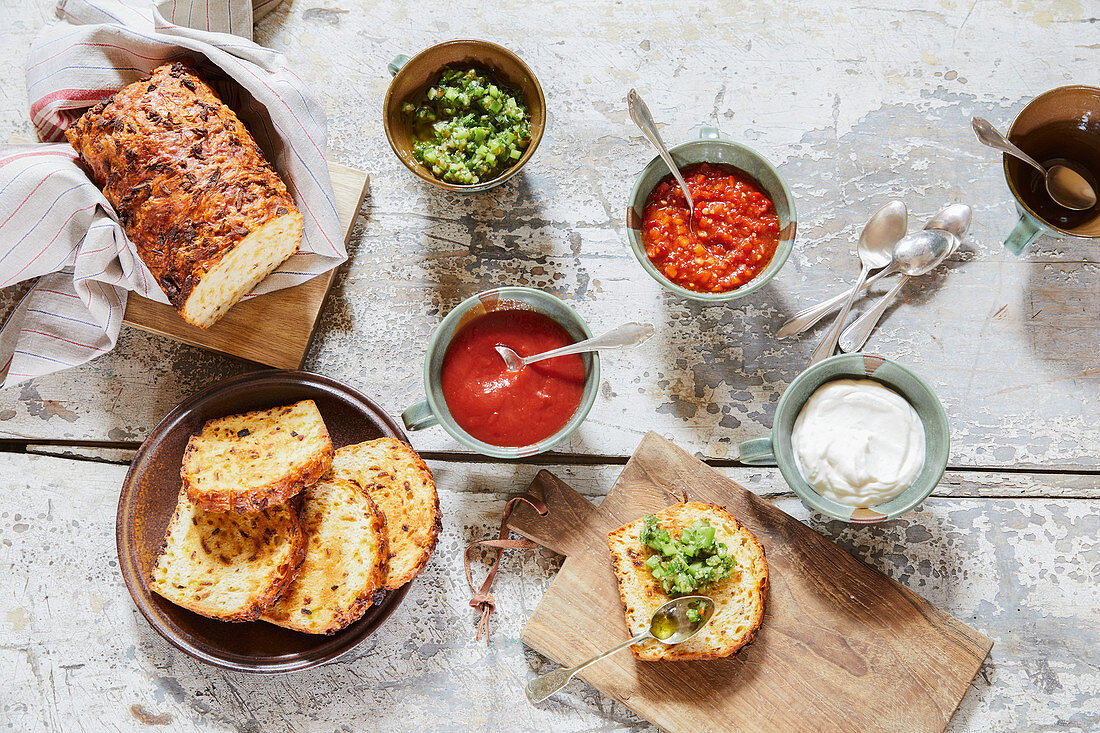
x: 745, y: 220
x: 498, y: 413
x: 735, y: 230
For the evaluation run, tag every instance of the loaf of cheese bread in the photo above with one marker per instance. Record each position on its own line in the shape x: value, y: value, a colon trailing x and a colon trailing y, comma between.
x: 208, y: 214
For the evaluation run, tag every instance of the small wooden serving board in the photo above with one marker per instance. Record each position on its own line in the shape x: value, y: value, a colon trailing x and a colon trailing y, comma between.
x: 842, y: 647
x: 273, y: 329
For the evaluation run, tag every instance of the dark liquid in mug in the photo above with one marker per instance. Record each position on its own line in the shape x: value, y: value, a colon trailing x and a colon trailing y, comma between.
x: 1076, y: 141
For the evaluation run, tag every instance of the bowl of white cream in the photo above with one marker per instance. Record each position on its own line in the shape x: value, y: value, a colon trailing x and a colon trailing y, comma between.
x: 857, y: 437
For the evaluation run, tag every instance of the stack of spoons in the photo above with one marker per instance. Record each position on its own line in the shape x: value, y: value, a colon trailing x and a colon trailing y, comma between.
x: 884, y: 246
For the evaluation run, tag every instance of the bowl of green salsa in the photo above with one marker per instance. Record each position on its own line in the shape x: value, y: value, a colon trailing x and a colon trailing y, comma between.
x: 464, y: 115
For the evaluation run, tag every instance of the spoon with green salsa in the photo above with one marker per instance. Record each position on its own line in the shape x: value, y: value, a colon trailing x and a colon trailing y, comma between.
x: 675, y: 622
x: 467, y: 128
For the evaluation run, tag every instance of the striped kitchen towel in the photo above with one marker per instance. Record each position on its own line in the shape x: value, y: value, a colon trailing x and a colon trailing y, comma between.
x: 55, y: 224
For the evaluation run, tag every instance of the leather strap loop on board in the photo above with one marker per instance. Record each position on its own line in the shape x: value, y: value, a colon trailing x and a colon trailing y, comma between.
x: 482, y: 600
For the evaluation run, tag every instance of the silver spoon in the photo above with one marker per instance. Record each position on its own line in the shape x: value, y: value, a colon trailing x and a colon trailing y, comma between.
x: 625, y: 336
x: 875, y: 247
x: 639, y: 112
x: 916, y: 254
x: 1067, y: 187
x: 670, y: 625
x: 954, y: 218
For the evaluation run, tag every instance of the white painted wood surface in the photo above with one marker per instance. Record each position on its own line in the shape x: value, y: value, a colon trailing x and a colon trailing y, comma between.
x: 857, y: 105
x: 78, y: 656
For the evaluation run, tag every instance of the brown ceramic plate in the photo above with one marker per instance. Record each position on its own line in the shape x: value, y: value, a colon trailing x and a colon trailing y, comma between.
x: 412, y: 77
x: 149, y: 498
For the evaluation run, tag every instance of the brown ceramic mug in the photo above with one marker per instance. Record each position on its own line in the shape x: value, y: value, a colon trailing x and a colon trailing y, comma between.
x: 1057, y: 126
x: 413, y: 76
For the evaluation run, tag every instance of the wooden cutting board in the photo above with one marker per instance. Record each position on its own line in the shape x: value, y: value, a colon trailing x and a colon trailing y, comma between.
x: 842, y: 648
x: 273, y: 329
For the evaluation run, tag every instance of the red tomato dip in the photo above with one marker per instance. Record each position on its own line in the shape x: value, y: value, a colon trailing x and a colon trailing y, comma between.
x: 736, y: 229
x: 511, y: 408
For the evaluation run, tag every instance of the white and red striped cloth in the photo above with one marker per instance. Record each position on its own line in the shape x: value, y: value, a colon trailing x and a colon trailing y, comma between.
x: 55, y: 224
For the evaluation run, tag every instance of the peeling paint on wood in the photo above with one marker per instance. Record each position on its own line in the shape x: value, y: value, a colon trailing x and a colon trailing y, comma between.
x: 852, y: 120
x: 1020, y: 570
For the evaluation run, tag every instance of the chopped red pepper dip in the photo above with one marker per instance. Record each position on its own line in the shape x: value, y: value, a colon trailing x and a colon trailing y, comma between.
x: 511, y: 408
x: 736, y: 229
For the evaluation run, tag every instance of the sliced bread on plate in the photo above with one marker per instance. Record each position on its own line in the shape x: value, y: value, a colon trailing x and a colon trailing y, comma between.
x: 227, y: 565
x: 400, y: 483
x: 248, y: 462
x: 344, y: 567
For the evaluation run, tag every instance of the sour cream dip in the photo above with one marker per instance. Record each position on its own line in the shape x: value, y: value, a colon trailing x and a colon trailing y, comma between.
x: 858, y: 442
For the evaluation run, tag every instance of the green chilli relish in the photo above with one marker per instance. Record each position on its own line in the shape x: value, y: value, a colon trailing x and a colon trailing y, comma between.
x: 688, y: 563
x: 468, y: 129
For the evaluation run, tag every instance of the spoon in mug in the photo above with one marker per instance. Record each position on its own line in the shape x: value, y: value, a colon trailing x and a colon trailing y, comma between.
x: 639, y: 112
x: 1067, y: 187
x: 670, y: 625
x: 954, y: 218
x: 875, y: 249
x: 625, y: 336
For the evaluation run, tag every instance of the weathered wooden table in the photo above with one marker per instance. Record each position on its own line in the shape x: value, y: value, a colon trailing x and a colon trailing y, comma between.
x: 857, y: 105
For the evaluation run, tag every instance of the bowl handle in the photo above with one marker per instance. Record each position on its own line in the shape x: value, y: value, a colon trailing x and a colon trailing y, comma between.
x: 757, y: 452
x: 707, y: 132
x: 395, y: 65
x: 419, y: 416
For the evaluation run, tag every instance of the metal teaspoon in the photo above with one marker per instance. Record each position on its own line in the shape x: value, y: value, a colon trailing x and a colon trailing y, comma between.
x: 670, y: 625
x: 916, y: 254
x: 1067, y: 187
x: 954, y: 218
x: 639, y: 112
x: 625, y: 336
x: 875, y: 250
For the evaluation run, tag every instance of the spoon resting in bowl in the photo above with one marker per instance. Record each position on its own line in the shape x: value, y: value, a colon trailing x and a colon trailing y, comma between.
x: 639, y: 112
x: 1065, y: 186
x: 623, y: 337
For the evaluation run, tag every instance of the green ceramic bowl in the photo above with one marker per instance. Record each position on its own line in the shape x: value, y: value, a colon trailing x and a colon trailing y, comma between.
x: 433, y: 410
x: 710, y: 148
x: 776, y: 449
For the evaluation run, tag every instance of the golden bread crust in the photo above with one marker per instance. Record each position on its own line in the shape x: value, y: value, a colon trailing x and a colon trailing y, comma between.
x: 251, y: 461
x: 401, y: 484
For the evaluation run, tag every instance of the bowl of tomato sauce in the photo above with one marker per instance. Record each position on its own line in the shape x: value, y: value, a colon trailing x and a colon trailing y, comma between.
x: 743, y: 229
x: 472, y: 395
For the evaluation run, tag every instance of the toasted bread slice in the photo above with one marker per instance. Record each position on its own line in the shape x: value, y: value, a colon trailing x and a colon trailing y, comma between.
x: 248, y: 462
x: 344, y: 568
x: 227, y: 565
x: 739, y: 598
x: 399, y: 482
